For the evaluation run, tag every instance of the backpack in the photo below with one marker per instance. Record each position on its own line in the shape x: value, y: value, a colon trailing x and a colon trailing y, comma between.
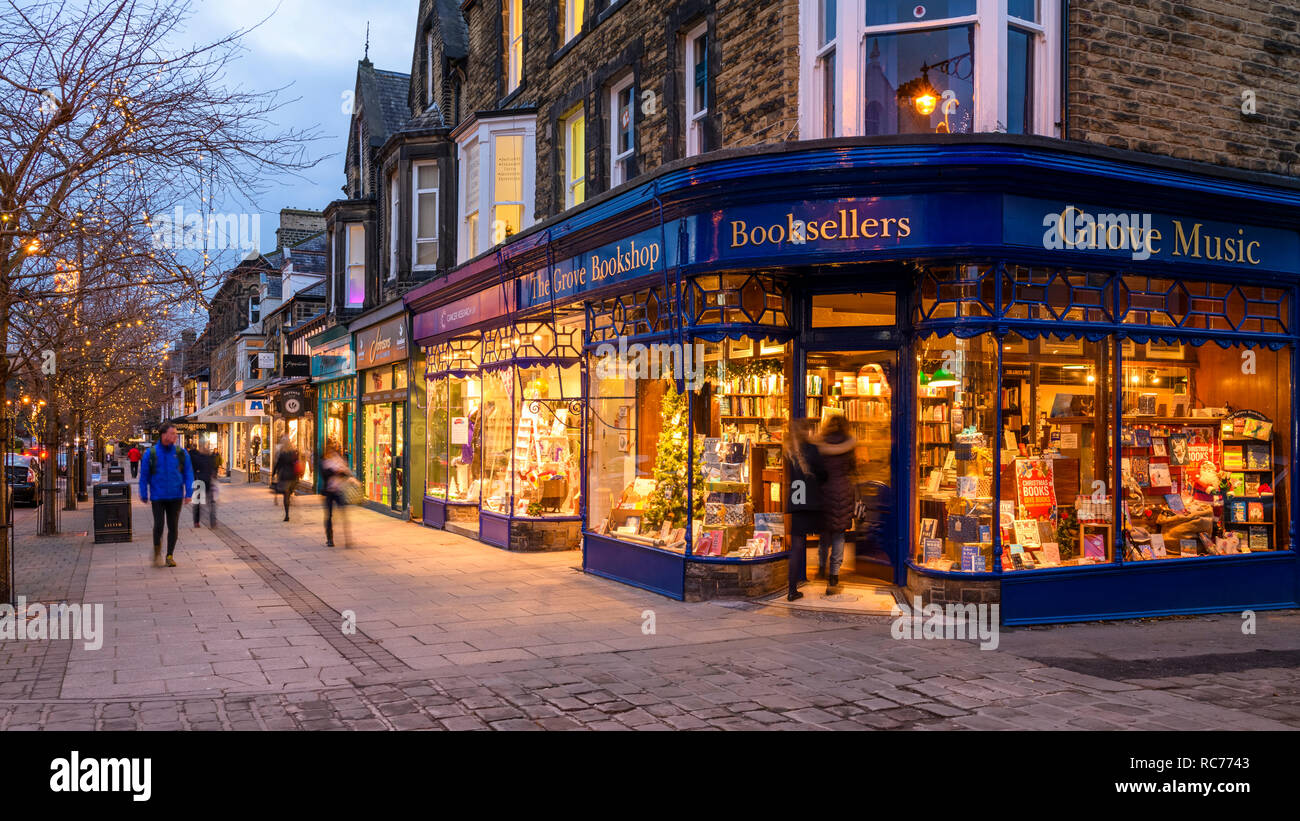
x: 181, y: 456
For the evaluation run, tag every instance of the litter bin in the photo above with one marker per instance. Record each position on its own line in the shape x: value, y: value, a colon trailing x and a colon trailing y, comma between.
x: 116, y: 473
x: 112, y: 512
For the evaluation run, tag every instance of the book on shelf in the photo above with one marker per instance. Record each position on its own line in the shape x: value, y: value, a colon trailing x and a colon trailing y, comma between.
x: 1257, y: 429
x: 1237, y: 511
x: 1051, y: 554
x: 1158, y: 446
x: 1252, y: 484
x: 1232, y: 457
x: 1094, y: 546
x: 1142, y: 438
x: 933, y: 549
x: 1258, y: 538
x: 1158, y: 546
x: 1178, y: 449
x: 971, y: 560
x: 1175, y: 502
x: 1258, y: 457
x: 1141, y: 473
x: 1027, y: 532
x: 1236, y: 484
x: 1255, y: 512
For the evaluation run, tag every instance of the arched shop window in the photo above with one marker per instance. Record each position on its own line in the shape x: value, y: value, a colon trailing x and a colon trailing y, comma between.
x: 531, y: 417
x: 1137, y: 418
x: 454, y: 450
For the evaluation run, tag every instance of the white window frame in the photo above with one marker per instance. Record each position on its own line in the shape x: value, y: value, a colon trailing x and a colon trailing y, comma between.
x: 571, y: 182
x: 617, y: 158
x: 990, y: 79
x: 416, y: 192
x: 394, y: 223
x: 483, y: 133
x: 696, y: 113
x: 574, y: 11
x: 355, y: 235
x: 513, y: 11
x: 829, y: 48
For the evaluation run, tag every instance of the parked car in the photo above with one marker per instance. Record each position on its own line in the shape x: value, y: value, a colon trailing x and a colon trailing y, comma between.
x: 24, y: 477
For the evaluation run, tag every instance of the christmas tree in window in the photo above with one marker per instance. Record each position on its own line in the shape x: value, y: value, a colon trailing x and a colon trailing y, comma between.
x: 668, y: 501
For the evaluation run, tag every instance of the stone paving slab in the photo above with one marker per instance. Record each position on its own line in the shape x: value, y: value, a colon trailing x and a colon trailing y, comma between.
x: 452, y: 634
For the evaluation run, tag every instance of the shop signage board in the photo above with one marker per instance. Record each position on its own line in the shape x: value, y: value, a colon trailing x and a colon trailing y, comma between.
x: 628, y: 259
x: 384, y: 343
x: 266, y: 361
x: 291, y: 403
x: 297, y: 364
x: 1109, y: 231
x: 254, y: 407
x: 334, y: 359
x: 495, y: 301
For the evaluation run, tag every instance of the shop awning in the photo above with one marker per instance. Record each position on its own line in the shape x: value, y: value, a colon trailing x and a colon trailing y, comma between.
x: 231, y: 409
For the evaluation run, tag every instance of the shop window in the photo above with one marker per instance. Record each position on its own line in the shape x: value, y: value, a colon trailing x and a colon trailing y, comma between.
x: 1057, y: 405
x: 957, y: 395
x: 454, y: 470
x: 846, y: 310
x: 1205, y: 447
x: 739, y: 299
x: 547, y: 440
x: 424, y: 221
x: 635, y: 314
x: 498, y: 439
x: 1051, y: 294
x: 955, y: 291
x: 696, y: 461
x: 955, y: 66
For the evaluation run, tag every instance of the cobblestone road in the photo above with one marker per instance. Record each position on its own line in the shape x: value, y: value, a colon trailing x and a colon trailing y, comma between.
x: 247, y: 634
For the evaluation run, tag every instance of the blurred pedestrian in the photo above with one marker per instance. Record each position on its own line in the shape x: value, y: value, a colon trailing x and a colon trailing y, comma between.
x: 205, y: 471
x: 803, y: 498
x: 836, y: 445
x: 168, y: 477
x: 285, y: 473
x: 335, y: 474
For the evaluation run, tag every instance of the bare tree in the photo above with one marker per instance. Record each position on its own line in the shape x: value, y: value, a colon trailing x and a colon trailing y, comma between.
x: 104, y: 124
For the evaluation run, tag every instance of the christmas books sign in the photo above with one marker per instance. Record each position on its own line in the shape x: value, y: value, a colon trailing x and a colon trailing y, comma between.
x: 1035, y: 489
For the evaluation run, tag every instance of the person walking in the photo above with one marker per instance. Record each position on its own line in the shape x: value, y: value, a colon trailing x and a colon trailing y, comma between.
x: 285, y: 473
x: 134, y: 455
x: 205, y: 471
x: 166, y: 476
x: 334, y: 473
x: 836, y: 445
x: 803, y: 464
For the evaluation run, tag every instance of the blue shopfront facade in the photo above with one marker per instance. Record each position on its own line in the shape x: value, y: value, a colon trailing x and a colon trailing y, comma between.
x: 1020, y: 271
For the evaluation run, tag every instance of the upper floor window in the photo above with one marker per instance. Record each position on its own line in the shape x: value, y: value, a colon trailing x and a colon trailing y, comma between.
x: 573, y: 128
x: 572, y: 12
x: 470, y: 187
x: 695, y: 70
x: 355, y: 275
x: 513, y: 29
x: 428, y: 70
x: 394, y: 225
x: 424, y: 219
x: 498, y: 173
x: 254, y: 309
x: 622, y: 132
x: 507, y: 186
x: 955, y: 66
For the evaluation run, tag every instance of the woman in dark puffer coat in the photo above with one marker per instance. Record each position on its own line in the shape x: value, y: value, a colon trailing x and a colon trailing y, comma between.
x: 839, y: 492
x: 803, y: 498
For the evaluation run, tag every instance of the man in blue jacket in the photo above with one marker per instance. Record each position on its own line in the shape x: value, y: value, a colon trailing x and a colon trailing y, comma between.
x: 167, y: 477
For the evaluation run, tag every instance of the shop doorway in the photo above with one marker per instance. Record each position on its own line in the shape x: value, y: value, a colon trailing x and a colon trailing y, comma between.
x: 860, y: 387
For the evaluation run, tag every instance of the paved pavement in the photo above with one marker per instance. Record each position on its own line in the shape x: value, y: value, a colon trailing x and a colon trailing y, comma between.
x: 254, y: 630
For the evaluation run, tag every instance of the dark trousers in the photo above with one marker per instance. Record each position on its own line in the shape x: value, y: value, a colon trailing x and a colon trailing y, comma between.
x: 286, y: 489
x: 331, y: 501
x: 212, y: 511
x: 797, y: 561
x: 168, y: 511
x: 135, y: 469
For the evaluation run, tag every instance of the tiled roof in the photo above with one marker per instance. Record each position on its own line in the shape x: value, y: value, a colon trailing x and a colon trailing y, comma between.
x: 389, y: 91
x: 454, y: 29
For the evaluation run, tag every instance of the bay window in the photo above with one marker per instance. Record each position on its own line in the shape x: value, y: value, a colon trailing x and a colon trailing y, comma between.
x: 497, y: 162
x: 355, y: 254
x: 424, y: 216
x: 622, y: 132
x: 879, y: 67
x: 394, y: 225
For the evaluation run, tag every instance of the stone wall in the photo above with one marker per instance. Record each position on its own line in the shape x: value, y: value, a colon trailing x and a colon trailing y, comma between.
x: 540, y: 535
x: 954, y: 589
x: 717, y: 580
x: 1167, y: 77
